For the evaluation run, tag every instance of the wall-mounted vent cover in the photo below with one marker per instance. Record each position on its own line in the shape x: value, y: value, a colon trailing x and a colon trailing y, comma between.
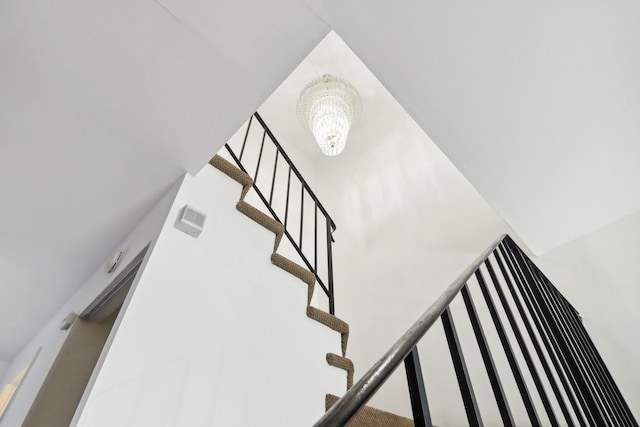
x: 191, y: 221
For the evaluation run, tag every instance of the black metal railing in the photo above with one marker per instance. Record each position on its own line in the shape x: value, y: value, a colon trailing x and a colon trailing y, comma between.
x: 546, y: 332
x: 251, y: 154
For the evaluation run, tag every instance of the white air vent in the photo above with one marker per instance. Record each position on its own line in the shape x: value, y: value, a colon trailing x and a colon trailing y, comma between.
x: 191, y: 221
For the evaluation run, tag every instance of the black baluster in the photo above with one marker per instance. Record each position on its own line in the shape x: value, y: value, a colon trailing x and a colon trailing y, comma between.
x: 464, y: 381
x: 301, y: 212
x: 417, y: 392
x: 581, y: 388
x: 286, y: 209
x: 564, y: 338
x: 273, y: 179
x: 557, y: 360
x: 523, y: 348
x: 244, y: 142
x: 550, y: 300
x: 607, y: 375
x: 332, y: 309
x: 255, y: 178
x: 487, y: 358
x: 615, y: 409
x: 616, y: 401
x: 315, y: 238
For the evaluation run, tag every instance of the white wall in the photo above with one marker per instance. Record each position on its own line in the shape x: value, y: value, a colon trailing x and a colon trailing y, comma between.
x: 599, y: 274
x: 112, y: 118
x: 51, y: 338
x: 3, y: 367
x: 307, y: 166
x: 408, y: 224
x: 214, y: 334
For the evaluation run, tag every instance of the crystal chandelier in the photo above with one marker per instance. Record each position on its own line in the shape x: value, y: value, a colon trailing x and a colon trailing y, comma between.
x: 329, y: 105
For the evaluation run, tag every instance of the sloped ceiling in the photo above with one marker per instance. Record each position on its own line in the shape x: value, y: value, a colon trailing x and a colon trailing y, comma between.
x: 104, y: 105
x: 537, y: 104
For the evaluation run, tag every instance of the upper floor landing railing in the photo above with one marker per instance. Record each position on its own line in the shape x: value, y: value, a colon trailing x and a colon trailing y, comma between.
x: 563, y: 380
x: 288, y: 196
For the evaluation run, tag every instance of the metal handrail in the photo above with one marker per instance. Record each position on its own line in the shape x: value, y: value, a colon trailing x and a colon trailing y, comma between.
x: 363, y: 390
x: 326, y: 283
x: 558, y: 341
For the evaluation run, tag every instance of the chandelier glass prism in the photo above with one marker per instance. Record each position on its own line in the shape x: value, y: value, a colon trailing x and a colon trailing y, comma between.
x: 328, y: 106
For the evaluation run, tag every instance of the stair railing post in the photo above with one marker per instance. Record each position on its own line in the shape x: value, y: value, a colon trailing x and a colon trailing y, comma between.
x: 462, y: 373
x: 590, y: 405
x: 415, y: 381
x: 332, y: 308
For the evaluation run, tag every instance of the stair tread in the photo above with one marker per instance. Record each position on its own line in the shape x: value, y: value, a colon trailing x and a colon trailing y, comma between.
x: 331, y: 321
x: 288, y: 265
x: 301, y: 272
x: 344, y: 363
x: 371, y: 417
x: 260, y: 217
x: 231, y: 170
x: 328, y: 320
x: 340, y: 362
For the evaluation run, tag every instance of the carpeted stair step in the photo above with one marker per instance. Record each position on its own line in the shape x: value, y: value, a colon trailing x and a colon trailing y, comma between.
x: 232, y: 172
x: 291, y: 267
x: 297, y: 270
x: 331, y: 321
x: 371, y: 417
x: 342, y: 363
x: 301, y: 272
x: 328, y: 320
x: 263, y: 219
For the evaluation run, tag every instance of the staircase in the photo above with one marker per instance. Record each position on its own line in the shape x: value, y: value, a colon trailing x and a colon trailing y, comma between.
x: 563, y: 380
x: 367, y: 416
x: 573, y: 379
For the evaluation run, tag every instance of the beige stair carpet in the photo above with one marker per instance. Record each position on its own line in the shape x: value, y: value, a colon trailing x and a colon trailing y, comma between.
x: 297, y: 270
x: 367, y: 416
x: 371, y: 417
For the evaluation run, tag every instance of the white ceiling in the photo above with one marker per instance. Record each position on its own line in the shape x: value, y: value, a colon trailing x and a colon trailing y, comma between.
x: 104, y: 105
x: 538, y: 104
x: 392, y: 185
x: 389, y: 168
